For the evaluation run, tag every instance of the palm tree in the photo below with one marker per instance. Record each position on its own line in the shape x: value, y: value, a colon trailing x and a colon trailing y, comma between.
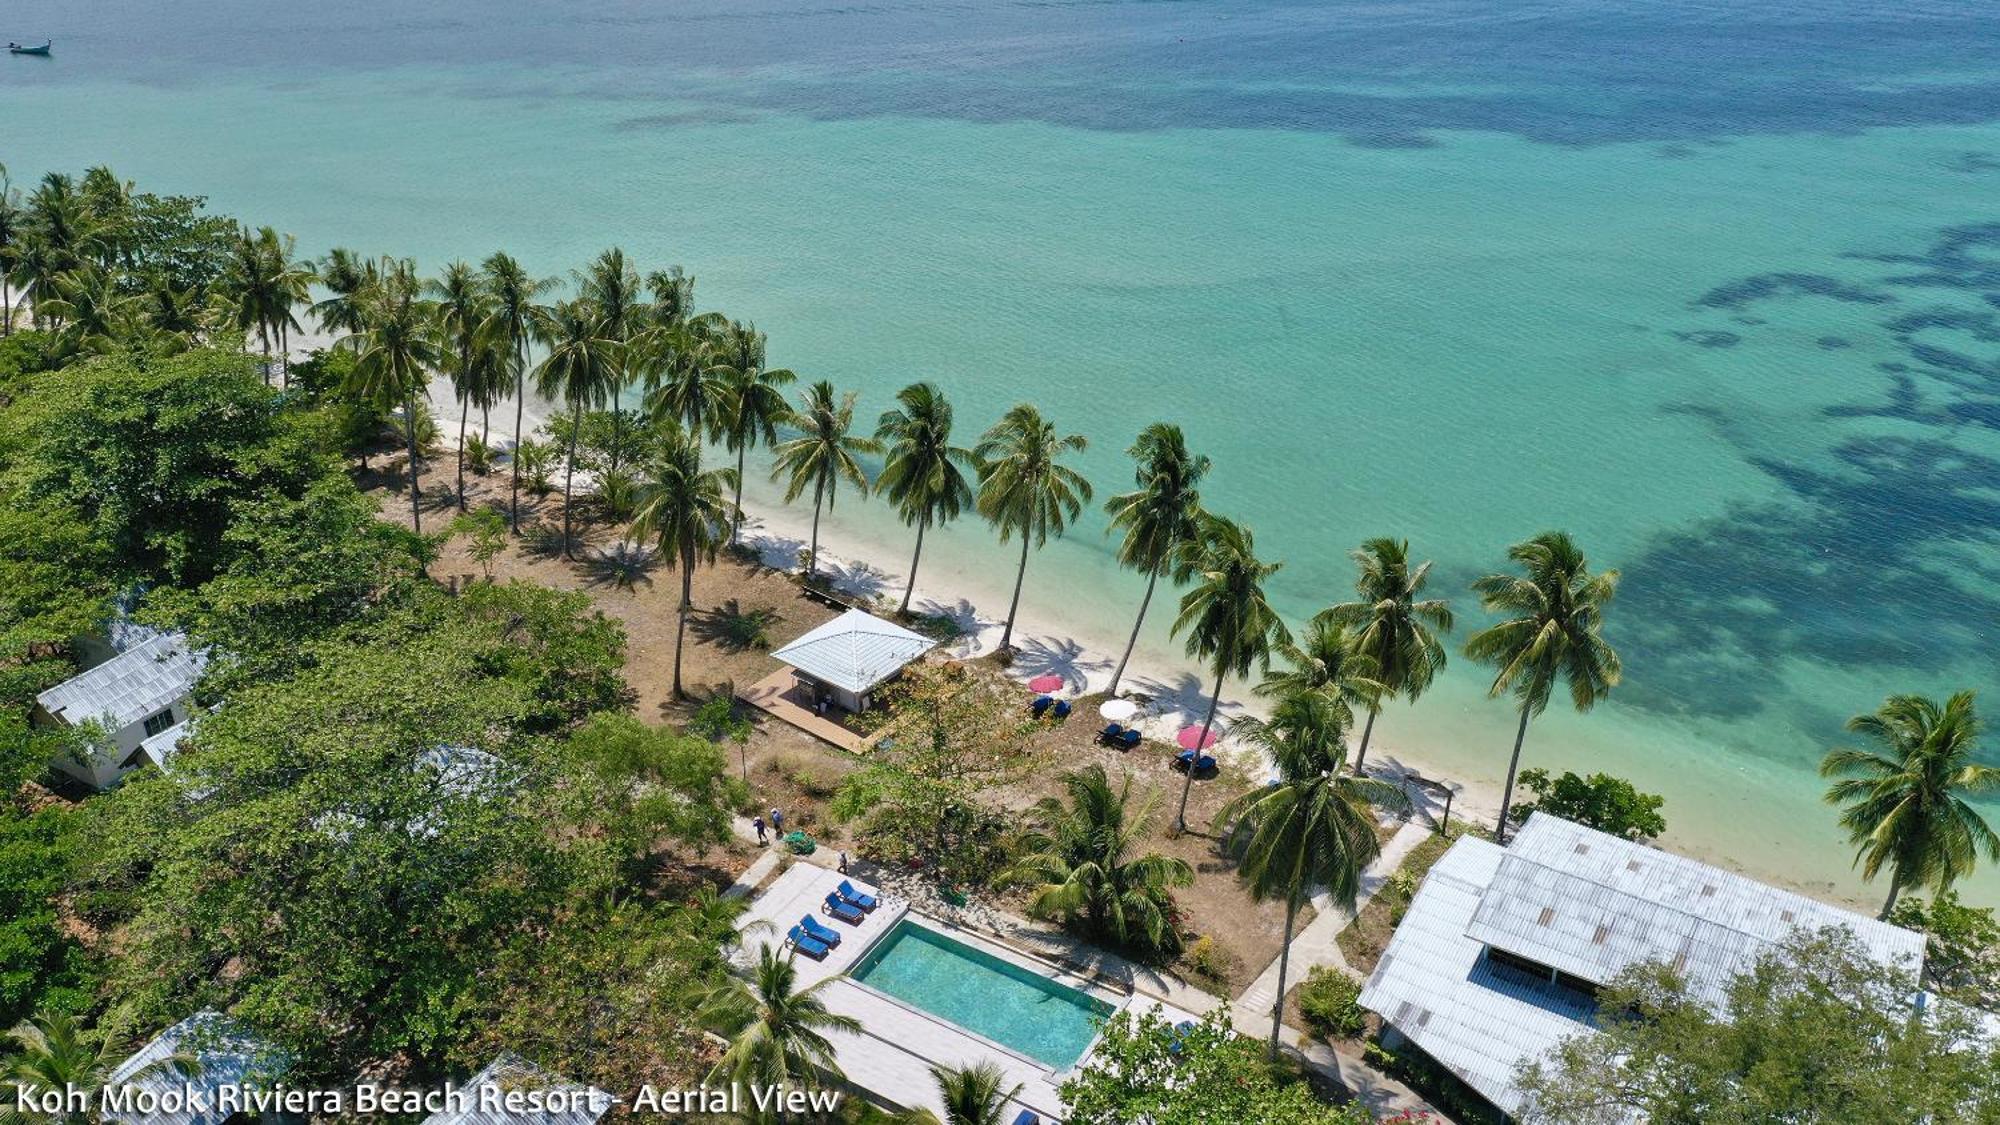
x: 52, y: 1053
x: 925, y: 475
x: 263, y: 284
x: 751, y: 398
x: 682, y: 508
x: 777, y: 1032
x: 1553, y: 617
x: 95, y: 312
x: 35, y: 265
x: 1393, y: 625
x: 823, y: 455
x: 347, y: 278
x: 1079, y: 861
x: 1327, y: 662
x: 1905, y: 802
x: 1025, y: 489
x: 683, y: 380
x: 462, y: 311
x: 673, y: 296
x: 1227, y: 618
x: 395, y: 355
x: 13, y: 224
x: 613, y: 287
x: 972, y: 1095
x: 580, y: 370
x: 515, y: 312
x: 1159, y: 518
x: 1310, y: 828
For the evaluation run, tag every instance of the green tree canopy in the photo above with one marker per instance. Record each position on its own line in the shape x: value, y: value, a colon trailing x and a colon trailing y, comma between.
x: 1144, y: 1069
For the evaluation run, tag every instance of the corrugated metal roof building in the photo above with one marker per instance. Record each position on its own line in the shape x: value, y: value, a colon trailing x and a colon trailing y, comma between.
x: 1497, y: 957
x: 224, y: 1053
x: 852, y: 654
x: 137, y: 694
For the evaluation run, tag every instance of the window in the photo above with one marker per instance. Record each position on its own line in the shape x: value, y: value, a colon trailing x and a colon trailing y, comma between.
x: 159, y: 722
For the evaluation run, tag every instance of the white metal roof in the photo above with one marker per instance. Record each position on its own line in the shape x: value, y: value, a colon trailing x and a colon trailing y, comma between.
x: 161, y: 747
x: 485, y: 1092
x: 855, y: 651
x: 1481, y: 1019
x: 130, y: 686
x: 225, y: 1053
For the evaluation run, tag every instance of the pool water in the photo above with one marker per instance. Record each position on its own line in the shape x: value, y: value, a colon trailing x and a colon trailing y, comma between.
x: 1012, y: 1006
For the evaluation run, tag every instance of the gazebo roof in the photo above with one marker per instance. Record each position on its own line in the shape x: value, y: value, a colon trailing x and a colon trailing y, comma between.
x: 855, y: 651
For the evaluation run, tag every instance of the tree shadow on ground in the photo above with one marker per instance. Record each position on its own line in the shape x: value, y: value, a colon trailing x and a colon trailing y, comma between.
x: 733, y: 628
x: 622, y: 566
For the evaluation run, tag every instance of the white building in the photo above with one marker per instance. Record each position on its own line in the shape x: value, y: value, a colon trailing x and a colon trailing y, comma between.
x: 1502, y: 951
x: 504, y: 1092
x: 851, y: 655
x: 139, y: 695
x: 224, y: 1054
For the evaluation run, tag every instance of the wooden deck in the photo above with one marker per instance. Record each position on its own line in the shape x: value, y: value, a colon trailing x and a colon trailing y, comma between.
x: 776, y: 696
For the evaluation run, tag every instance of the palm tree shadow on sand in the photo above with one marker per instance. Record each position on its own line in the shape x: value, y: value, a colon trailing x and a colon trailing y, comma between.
x: 622, y: 566
x: 1037, y: 656
x: 733, y: 628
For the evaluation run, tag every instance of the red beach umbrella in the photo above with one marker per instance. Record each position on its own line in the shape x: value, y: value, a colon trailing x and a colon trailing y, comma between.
x: 1045, y: 683
x: 1191, y: 738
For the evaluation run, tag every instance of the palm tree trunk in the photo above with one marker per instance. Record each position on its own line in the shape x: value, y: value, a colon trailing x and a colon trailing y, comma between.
x: 914, y: 560
x: 1284, y: 966
x: 1180, y: 818
x: 1020, y: 576
x: 6, y: 307
x: 687, y: 605
x: 1513, y: 764
x: 812, y: 553
x: 520, y: 404
x: 464, y: 411
x: 569, y: 471
x: 1367, y: 729
x: 410, y: 433
x: 1152, y: 579
x: 264, y: 337
x: 1895, y: 889
x: 736, y: 516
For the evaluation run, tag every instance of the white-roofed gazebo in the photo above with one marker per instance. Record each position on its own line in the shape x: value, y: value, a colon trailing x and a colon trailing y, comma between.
x: 843, y: 661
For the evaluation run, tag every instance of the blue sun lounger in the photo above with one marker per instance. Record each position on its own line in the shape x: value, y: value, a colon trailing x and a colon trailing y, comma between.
x: 1111, y: 733
x: 855, y: 898
x: 1041, y: 704
x: 841, y: 910
x: 1062, y: 709
x: 1028, y: 1117
x: 810, y: 946
x: 820, y: 932
x: 1128, y: 740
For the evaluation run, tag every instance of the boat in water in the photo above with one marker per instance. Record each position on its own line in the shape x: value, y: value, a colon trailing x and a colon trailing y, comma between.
x: 18, y: 49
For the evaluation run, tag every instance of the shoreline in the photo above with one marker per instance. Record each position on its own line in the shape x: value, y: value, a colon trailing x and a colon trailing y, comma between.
x: 1082, y: 657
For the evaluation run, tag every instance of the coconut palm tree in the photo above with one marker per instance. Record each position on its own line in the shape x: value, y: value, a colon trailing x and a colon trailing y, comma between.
x: 581, y: 370
x: 681, y: 364
x: 1228, y: 620
x: 613, y: 287
x: 462, y: 309
x: 925, y: 474
x: 347, y: 277
x: 95, y: 312
x: 1326, y: 662
x: 682, y: 508
x: 34, y: 266
x: 673, y: 296
x: 395, y: 354
x: 752, y: 399
x: 1025, y: 489
x: 973, y: 1095
x: 1310, y: 828
x: 1906, y: 806
x: 777, y: 1032
x: 13, y: 224
x: 823, y: 455
x: 1159, y: 518
x: 264, y: 284
x: 1079, y: 859
x: 514, y: 297
x: 53, y: 1053
x: 1551, y: 629
x: 1394, y: 625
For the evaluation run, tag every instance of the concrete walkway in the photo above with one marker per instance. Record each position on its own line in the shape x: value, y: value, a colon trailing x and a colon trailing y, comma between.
x: 1315, y: 945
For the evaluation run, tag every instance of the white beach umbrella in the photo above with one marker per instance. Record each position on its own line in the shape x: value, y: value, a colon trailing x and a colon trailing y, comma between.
x: 1118, y: 710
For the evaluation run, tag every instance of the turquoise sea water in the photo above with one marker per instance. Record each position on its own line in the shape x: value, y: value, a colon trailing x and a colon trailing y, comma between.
x: 1713, y: 286
x: 1005, y: 1003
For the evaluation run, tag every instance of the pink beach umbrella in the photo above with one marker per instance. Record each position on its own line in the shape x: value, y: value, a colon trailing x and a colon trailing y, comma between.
x: 1045, y: 683
x: 1191, y: 738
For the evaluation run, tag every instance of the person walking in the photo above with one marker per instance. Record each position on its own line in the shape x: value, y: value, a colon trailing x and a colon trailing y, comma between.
x: 777, y: 822
x: 759, y: 822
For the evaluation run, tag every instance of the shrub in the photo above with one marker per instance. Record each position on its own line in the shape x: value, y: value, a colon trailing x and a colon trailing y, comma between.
x: 479, y: 454
x: 1600, y: 801
x: 1209, y: 960
x: 538, y: 459
x: 1330, y: 1000
x: 617, y: 495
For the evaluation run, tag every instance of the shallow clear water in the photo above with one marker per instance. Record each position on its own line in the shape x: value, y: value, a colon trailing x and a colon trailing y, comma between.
x: 1012, y: 1006
x: 1711, y: 285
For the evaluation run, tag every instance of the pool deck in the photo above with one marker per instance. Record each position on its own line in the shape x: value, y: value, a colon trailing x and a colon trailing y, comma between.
x: 892, y: 1055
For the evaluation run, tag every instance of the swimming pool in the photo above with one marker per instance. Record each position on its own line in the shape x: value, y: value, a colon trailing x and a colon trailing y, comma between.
x: 1015, y: 1007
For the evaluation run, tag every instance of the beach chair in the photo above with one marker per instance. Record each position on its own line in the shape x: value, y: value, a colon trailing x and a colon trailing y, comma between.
x: 1027, y: 1117
x: 1111, y: 733
x: 854, y: 898
x: 819, y: 931
x: 1062, y: 709
x: 810, y: 946
x: 1204, y: 766
x: 1183, y: 761
x: 1129, y: 740
x: 1041, y: 704
x: 842, y: 911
